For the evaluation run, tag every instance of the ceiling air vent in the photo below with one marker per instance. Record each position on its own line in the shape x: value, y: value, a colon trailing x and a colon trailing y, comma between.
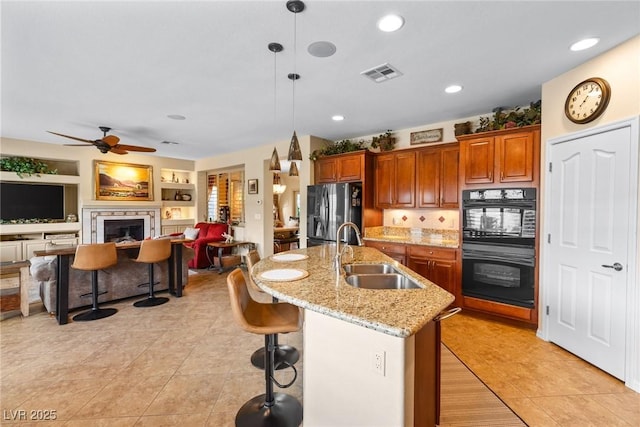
x: 381, y: 73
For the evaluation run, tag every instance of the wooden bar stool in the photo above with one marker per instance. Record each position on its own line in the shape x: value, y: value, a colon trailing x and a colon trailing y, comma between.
x: 285, y: 355
x: 152, y: 251
x: 93, y: 258
x: 269, y: 409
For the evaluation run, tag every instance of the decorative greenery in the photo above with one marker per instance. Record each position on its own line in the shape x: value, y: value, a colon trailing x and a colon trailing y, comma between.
x: 26, y: 166
x: 384, y: 142
x: 510, y: 119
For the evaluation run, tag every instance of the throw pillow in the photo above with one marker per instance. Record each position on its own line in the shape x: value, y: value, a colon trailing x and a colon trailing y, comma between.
x: 191, y: 233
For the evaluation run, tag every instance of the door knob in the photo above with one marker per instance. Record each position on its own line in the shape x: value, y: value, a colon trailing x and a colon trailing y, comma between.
x: 616, y: 266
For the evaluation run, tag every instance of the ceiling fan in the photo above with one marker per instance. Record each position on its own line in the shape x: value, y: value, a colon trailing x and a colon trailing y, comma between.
x: 108, y: 143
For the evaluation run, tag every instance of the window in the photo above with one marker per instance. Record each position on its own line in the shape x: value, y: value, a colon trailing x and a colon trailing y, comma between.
x: 225, y: 200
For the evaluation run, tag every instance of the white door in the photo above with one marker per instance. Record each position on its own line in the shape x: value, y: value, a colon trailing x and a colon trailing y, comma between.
x: 589, y: 225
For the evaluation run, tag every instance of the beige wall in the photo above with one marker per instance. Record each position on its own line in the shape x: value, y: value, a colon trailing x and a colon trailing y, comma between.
x: 85, y: 157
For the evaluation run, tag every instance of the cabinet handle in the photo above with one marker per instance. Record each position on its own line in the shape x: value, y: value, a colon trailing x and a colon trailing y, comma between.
x: 446, y: 314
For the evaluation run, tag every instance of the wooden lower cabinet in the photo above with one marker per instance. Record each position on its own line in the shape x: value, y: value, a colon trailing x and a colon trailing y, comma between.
x: 396, y: 251
x: 439, y: 265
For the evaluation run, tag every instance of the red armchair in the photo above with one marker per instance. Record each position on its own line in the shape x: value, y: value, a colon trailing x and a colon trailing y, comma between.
x: 209, y: 232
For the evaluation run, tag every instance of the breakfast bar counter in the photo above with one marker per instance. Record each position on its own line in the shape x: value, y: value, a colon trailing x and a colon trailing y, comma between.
x: 371, y: 356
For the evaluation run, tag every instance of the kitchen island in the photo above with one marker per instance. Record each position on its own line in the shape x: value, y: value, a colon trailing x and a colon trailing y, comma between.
x: 370, y: 356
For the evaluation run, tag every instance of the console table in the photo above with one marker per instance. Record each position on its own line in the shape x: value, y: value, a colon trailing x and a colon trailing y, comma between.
x: 63, y: 256
x: 221, y: 246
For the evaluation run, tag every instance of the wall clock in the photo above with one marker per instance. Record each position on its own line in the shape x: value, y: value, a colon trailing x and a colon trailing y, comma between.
x: 587, y: 100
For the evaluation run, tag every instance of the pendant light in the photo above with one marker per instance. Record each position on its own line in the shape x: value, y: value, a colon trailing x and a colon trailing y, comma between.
x: 294, y: 6
x: 274, y: 164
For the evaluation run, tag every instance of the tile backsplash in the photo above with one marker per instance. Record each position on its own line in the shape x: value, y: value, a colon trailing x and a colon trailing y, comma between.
x: 440, y: 219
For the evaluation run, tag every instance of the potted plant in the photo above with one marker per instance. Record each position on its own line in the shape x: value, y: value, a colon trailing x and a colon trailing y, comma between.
x: 384, y: 141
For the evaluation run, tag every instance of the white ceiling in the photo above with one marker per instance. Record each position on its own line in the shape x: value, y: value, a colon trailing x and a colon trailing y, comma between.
x: 70, y: 67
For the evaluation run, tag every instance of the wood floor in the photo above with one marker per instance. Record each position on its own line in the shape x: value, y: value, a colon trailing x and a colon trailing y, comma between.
x: 542, y: 383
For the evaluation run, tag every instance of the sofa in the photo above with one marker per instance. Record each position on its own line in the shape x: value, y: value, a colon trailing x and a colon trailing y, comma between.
x: 208, y: 232
x: 125, y: 279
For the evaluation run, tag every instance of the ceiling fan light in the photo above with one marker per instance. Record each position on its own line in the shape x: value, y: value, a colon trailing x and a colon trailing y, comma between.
x: 294, y: 148
x: 293, y: 169
x: 274, y: 164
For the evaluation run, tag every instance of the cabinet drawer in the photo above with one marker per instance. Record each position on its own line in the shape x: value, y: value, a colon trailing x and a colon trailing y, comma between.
x: 432, y: 252
x: 393, y: 248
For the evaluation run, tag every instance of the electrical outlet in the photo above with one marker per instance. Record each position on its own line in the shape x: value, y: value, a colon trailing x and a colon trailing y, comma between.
x: 378, y: 362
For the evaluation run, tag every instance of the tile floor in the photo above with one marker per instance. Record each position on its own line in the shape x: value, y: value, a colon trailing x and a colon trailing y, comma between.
x: 185, y: 363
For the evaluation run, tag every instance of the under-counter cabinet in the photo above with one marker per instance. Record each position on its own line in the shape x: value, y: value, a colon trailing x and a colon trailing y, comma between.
x: 438, y: 265
x: 437, y: 177
x: 396, y: 251
x: 349, y: 167
x: 501, y: 157
x: 395, y: 180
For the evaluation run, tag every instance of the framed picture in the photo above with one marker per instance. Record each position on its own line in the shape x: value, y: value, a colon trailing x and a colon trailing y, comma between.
x: 252, y: 186
x: 123, y: 181
x: 426, y: 136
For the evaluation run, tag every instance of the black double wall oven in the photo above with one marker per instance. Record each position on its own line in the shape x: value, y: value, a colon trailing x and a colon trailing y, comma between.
x: 498, y: 245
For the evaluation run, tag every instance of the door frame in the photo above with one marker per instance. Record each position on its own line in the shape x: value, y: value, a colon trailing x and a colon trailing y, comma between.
x: 632, y: 352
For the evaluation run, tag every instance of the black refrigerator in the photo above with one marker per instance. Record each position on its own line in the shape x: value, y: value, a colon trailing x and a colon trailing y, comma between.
x: 328, y: 207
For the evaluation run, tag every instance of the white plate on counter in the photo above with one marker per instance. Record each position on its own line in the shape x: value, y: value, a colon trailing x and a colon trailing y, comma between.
x: 283, y: 274
x: 289, y: 257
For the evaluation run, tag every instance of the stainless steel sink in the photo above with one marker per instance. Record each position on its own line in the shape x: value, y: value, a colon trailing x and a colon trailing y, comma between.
x: 381, y: 281
x: 369, y: 269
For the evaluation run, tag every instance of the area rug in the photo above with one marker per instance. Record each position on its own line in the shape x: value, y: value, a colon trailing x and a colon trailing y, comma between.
x: 467, y: 401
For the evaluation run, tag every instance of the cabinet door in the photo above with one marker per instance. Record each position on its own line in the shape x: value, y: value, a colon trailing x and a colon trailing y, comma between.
x: 443, y: 274
x: 479, y: 160
x: 405, y: 180
x: 350, y: 168
x: 449, y: 188
x: 384, y: 185
x: 428, y: 170
x: 325, y: 171
x: 11, y: 251
x: 516, y: 155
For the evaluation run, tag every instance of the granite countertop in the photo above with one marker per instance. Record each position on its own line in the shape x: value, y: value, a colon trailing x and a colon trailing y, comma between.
x: 400, y: 313
x: 418, y: 236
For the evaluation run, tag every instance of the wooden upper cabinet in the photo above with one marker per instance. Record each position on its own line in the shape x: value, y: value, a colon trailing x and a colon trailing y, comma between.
x: 437, y: 173
x: 504, y: 156
x: 347, y: 167
x: 395, y: 180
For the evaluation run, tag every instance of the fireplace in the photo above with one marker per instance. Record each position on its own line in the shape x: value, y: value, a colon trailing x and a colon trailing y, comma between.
x: 123, y: 230
x: 105, y: 224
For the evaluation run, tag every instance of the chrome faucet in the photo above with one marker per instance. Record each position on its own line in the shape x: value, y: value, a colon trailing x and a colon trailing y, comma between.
x: 339, y: 252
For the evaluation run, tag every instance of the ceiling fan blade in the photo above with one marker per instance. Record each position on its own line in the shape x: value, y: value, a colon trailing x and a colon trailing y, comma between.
x: 136, y: 148
x: 118, y: 150
x: 72, y: 137
x: 111, y: 140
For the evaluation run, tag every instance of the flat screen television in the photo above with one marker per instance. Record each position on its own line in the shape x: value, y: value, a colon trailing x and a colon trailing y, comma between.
x: 30, y: 201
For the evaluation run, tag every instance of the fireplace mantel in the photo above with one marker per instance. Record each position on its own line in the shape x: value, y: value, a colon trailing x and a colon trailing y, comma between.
x: 93, y: 218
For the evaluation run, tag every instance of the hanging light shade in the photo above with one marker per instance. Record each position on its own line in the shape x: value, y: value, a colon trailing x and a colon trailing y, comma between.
x: 274, y: 164
x: 294, y: 148
x: 293, y: 169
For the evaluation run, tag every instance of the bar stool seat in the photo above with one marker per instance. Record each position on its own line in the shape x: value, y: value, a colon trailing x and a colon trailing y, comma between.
x: 285, y: 355
x: 92, y: 258
x: 152, y: 251
x: 269, y: 409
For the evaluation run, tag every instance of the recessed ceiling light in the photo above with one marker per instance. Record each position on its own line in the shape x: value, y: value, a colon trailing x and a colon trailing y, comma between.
x: 337, y: 118
x: 584, y: 44
x: 453, y: 89
x: 176, y: 117
x: 390, y: 23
